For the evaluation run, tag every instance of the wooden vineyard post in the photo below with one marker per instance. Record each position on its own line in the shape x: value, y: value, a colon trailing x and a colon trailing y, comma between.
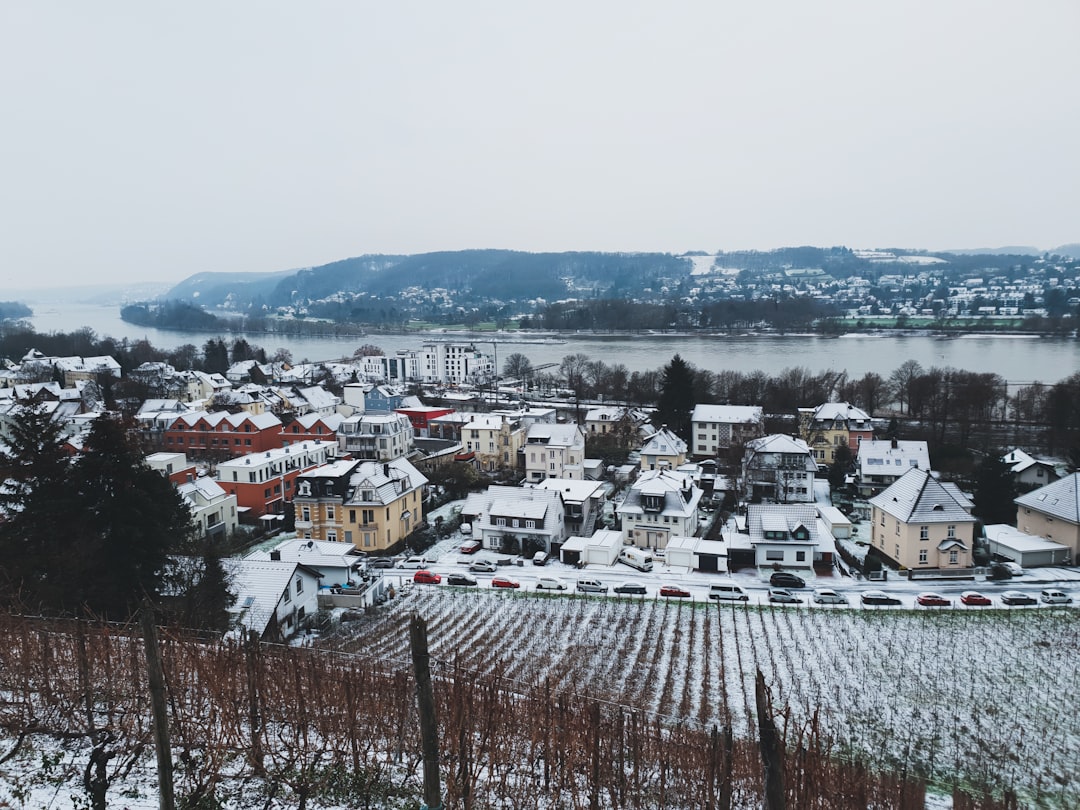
x: 425, y: 699
x: 156, y: 679
x: 772, y: 748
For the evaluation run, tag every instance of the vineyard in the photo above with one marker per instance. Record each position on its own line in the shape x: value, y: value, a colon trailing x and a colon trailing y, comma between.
x: 989, y: 699
x: 552, y: 702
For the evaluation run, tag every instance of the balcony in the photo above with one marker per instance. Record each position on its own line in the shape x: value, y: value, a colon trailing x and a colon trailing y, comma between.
x: 303, y: 524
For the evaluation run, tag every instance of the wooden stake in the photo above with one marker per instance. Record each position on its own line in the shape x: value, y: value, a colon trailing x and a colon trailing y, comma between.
x: 425, y: 699
x: 156, y: 678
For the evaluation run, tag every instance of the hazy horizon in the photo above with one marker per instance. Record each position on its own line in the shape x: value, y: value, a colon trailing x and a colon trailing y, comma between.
x: 150, y: 143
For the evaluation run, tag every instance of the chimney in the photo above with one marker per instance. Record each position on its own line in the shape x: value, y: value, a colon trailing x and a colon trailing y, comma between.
x: 894, y: 443
x: 386, y: 470
x: 275, y: 555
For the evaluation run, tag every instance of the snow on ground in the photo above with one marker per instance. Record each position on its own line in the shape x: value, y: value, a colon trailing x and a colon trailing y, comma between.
x: 978, y: 696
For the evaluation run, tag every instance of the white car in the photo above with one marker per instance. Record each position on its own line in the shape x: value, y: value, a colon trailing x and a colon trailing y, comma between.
x: 1052, y: 596
x: 550, y: 584
x: 827, y: 596
x: 1014, y: 568
x: 415, y: 563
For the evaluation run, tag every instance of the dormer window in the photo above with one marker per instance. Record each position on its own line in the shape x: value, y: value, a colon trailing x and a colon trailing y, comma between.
x: 652, y: 503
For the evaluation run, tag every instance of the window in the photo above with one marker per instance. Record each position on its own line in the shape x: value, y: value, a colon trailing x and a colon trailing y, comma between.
x: 305, y: 513
x: 299, y: 585
x: 500, y: 521
x: 924, y: 532
x: 952, y: 531
x: 774, y: 554
x: 530, y: 524
x: 369, y: 517
x: 954, y: 557
x: 897, y: 555
x: 922, y: 556
x: 288, y: 596
x: 882, y: 518
x: 514, y: 523
x: 800, y: 556
x: 352, y: 516
x: 331, y: 536
x: 329, y: 512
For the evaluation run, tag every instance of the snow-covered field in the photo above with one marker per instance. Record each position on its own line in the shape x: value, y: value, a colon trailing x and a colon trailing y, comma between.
x: 983, y: 697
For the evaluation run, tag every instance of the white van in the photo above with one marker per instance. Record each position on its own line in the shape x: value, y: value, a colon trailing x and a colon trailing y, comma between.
x: 636, y: 558
x: 728, y: 591
x: 591, y: 586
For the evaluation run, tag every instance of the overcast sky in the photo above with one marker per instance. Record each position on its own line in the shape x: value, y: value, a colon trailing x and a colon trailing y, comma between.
x: 150, y: 141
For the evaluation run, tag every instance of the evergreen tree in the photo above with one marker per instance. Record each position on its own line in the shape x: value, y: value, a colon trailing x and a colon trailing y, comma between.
x: 36, y: 507
x: 841, y: 466
x: 995, y: 490
x: 215, y: 356
x: 132, y: 517
x: 676, y: 401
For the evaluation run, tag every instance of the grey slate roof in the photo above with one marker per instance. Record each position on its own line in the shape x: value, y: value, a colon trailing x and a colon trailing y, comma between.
x: 1060, y: 499
x: 918, y: 497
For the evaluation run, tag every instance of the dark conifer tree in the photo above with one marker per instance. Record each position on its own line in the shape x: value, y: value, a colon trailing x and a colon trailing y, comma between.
x: 676, y: 401
x: 132, y: 517
x: 995, y: 490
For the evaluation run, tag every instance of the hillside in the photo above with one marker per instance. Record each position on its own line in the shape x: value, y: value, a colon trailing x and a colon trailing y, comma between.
x: 616, y: 703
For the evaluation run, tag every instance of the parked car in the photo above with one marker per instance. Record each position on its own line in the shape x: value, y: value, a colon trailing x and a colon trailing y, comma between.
x: 728, y: 591
x: 1014, y: 568
x: 486, y: 566
x: 674, y: 590
x: 785, y: 579
x: 974, y: 598
x: 931, y: 599
x: 470, y: 547
x: 827, y: 596
x: 540, y: 558
x: 381, y: 562
x: 504, y: 582
x: 1018, y: 598
x: 1052, y: 596
x: 425, y: 577
x: 460, y: 579
x: 593, y: 586
x: 415, y: 562
x: 878, y: 598
x: 630, y: 587
x: 550, y: 584
x: 783, y: 596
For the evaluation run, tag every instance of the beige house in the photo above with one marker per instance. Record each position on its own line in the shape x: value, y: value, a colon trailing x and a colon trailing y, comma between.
x: 919, y: 522
x: 369, y: 504
x: 1053, y: 512
x: 494, y: 440
x: 554, y: 451
x: 663, y: 451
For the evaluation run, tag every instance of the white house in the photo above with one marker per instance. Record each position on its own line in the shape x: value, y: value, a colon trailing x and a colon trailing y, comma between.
x: 516, y: 519
x: 273, y: 598
x: 883, y: 461
x: 783, y: 536
x: 213, y: 510
x: 663, y: 450
x: 659, y: 505
x: 1028, y: 471
x: 554, y: 451
x: 715, y: 428
x: 779, y: 468
x: 583, y: 502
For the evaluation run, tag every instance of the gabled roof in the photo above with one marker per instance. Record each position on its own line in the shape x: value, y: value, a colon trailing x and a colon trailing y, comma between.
x: 786, y: 518
x: 555, y: 435
x: 664, y: 443
x: 779, y: 443
x: 854, y: 417
x: 259, y: 585
x: 1060, y: 499
x: 918, y: 497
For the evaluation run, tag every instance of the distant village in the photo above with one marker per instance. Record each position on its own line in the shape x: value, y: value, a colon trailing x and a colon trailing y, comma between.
x: 323, y: 485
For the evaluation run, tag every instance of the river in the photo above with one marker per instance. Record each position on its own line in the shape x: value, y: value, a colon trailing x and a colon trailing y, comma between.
x: 1017, y: 358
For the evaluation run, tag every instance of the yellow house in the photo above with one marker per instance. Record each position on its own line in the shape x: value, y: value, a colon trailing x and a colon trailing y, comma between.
x: 831, y: 425
x: 663, y: 451
x: 1053, y: 512
x: 373, y: 505
x: 919, y: 522
x: 494, y: 439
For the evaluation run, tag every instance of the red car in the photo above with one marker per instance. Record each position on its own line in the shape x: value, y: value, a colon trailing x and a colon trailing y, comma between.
x: 974, y: 598
x: 504, y: 582
x: 425, y: 577
x: 674, y: 590
x: 932, y: 600
x: 470, y: 547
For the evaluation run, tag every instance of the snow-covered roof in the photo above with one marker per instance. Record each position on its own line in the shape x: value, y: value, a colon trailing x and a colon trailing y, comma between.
x: 779, y: 443
x: 555, y: 435
x: 730, y: 414
x: 888, y: 457
x: 782, y: 520
x: 1061, y: 499
x: 664, y: 443
x: 573, y: 490
x: 832, y: 411
x: 259, y: 586
x: 918, y: 497
x: 1010, y: 536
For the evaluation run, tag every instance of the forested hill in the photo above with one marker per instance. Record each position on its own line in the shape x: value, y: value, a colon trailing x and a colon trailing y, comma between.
x: 491, y: 274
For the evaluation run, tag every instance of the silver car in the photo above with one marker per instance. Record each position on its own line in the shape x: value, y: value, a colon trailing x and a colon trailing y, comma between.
x: 827, y: 596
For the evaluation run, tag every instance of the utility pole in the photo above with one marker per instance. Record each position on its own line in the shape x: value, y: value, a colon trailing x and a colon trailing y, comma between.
x: 425, y: 699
